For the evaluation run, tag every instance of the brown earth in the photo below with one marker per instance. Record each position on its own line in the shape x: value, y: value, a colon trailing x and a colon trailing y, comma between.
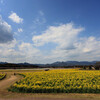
x: 5, y: 83
x: 44, y: 99
x: 51, y: 97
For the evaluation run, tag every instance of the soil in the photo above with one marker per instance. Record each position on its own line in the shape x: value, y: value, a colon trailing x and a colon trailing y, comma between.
x: 6, y: 82
x: 44, y: 99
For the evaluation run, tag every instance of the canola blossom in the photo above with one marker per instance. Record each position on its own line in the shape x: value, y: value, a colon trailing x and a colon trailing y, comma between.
x: 59, y: 81
x: 2, y: 76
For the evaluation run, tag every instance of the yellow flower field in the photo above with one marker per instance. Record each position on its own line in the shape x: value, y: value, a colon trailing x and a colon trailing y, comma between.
x: 59, y: 81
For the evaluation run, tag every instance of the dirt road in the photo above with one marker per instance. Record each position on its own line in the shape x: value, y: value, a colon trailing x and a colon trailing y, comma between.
x: 7, y: 82
x: 51, y: 97
x: 45, y: 99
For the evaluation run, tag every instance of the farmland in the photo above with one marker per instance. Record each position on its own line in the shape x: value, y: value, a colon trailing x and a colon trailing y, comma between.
x: 59, y: 81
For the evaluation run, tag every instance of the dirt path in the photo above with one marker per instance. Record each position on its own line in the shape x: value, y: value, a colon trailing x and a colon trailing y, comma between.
x: 51, y: 97
x: 7, y: 82
x: 46, y: 99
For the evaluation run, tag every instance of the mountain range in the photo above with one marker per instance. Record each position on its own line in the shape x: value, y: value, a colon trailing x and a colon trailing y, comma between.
x: 58, y: 63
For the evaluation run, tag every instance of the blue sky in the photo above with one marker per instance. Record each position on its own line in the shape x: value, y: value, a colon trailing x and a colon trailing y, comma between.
x: 45, y: 31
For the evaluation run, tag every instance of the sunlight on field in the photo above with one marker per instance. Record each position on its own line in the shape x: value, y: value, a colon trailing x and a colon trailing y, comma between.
x: 59, y: 81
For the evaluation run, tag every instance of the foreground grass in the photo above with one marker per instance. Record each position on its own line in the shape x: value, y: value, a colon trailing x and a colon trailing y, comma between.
x: 59, y: 81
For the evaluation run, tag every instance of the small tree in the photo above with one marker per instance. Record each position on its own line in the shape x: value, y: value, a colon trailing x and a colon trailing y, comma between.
x: 90, y: 67
x: 97, y: 65
x: 84, y: 67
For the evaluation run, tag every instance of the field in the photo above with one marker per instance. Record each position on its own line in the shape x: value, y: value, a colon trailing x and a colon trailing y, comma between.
x: 2, y: 76
x: 11, y: 79
x: 59, y: 81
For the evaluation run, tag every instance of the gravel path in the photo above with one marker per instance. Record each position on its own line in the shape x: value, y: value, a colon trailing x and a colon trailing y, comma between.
x: 7, y: 82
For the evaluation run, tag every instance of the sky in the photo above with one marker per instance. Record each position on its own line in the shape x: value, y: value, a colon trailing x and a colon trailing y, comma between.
x: 46, y: 31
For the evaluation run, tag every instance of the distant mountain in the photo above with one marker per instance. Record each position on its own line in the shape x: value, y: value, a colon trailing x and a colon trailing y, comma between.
x: 3, y: 62
x: 58, y: 63
x: 25, y: 63
x: 5, y: 65
x: 71, y: 63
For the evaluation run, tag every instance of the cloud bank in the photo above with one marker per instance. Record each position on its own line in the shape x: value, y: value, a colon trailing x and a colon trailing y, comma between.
x: 63, y: 35
x: 20, y: 30
x: 40, y: 19
x: 5, y: 32
x: 68, y: 46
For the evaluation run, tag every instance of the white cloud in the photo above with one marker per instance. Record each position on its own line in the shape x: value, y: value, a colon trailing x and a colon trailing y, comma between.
x: 40, y: 19
x: 20, y: 30
x: 63, y: 35
x: 6, y: 49
x: 69, y: 46
x: 14, y: 52
x: 41, y: 13
x: 85, y: 50
x: 28, y: 49
x: 15, y: 18
x: 5, y: 31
